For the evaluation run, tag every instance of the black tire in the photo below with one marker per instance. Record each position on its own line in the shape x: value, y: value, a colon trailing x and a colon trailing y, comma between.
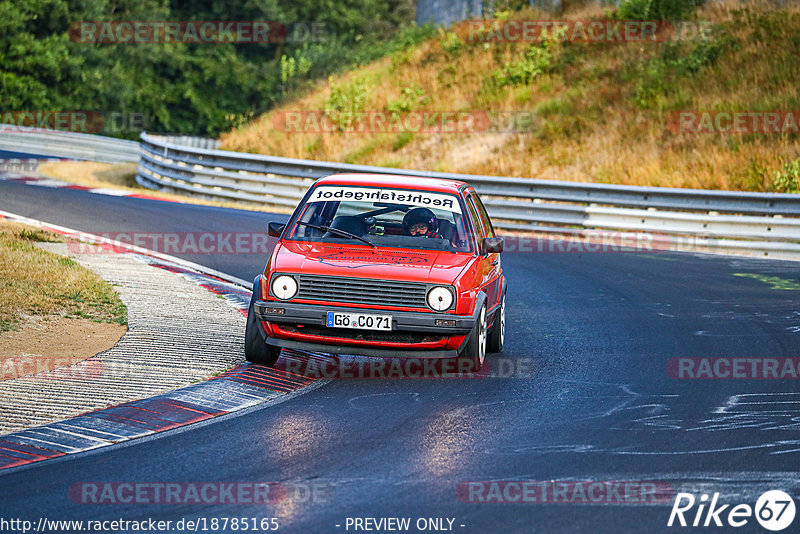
x: 474, y: 354
x: 256, y: 349
x: 497, y: 333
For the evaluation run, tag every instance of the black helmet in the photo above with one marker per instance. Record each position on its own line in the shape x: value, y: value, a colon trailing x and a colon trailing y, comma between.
x: 417, y: 216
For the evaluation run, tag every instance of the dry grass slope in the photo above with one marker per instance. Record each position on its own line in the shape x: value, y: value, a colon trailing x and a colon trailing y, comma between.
x: 602, y: 109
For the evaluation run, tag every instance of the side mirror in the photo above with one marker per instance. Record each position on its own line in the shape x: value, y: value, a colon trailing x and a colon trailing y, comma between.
x: 492, y: 245
x: 275, y: 229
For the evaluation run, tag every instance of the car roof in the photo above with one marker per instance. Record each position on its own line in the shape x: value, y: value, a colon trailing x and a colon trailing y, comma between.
x: 393, y: 180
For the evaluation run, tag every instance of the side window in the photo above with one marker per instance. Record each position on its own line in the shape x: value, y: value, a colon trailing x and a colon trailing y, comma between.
x: 318, y: 213
x: 487, y: 223
x: 475, y: 218
x: 460, y: 236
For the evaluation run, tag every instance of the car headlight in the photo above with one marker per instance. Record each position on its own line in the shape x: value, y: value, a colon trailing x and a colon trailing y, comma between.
x: 440, y: 298
x: 284, y: 287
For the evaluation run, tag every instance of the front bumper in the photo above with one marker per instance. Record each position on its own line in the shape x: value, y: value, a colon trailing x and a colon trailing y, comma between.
x: 317, y: 314
x: 402, y: 322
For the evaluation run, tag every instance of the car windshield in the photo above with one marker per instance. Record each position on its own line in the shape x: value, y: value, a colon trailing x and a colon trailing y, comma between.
x: 383, y: 217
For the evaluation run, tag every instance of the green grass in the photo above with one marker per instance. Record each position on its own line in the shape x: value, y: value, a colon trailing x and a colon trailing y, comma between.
x: 37, y: 282
x: 774, y: 282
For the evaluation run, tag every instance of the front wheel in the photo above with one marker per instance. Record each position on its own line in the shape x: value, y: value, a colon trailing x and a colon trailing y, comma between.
x: 497, y: 334
x: 256, y: 349
x: 475, y: 351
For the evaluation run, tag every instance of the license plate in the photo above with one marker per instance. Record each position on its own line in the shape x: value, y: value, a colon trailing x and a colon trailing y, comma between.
x: 360, y: 321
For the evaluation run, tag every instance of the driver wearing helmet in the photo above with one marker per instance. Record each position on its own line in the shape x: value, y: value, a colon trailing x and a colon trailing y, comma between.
x: 421, y: 222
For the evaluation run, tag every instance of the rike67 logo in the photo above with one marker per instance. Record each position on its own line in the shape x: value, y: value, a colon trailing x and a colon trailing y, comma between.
x: 774, y: 510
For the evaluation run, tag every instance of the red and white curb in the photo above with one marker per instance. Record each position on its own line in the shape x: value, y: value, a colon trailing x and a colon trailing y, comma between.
x: 242, y: 387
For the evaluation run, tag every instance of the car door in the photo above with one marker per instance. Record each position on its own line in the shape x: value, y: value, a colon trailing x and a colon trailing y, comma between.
x: 490, y: 268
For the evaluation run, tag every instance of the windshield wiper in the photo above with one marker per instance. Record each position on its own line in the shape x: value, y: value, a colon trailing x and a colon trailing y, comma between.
x: 338, y: 232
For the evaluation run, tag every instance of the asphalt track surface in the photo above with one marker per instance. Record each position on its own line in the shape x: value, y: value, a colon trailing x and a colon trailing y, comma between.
x: 589, y: 335
x: 7, y: 154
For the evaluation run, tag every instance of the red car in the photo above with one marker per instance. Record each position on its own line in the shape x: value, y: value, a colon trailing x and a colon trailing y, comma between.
x: 387, y: 266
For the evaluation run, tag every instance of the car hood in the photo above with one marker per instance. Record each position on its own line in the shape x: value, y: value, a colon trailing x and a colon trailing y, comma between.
x: 429, y: 266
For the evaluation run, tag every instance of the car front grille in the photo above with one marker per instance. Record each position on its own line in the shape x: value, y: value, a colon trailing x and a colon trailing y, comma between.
x: 362, y: 291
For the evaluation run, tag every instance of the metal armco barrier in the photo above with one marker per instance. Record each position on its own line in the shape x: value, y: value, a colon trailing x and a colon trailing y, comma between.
x: 70, y: 145
x: 765, y: 224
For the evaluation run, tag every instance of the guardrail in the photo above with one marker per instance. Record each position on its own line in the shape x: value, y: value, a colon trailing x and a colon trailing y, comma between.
x: 69, y: 145
x: 764, y: 223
